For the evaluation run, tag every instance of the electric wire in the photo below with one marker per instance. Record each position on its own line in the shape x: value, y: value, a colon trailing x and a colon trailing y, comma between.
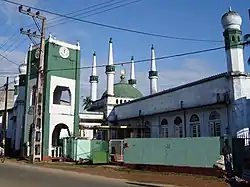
x: 53, y: 24
x: 113, y: 27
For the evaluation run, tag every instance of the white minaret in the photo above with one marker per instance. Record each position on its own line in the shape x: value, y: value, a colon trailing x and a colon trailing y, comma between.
x: 231, y: 22
x: 93, y: 79
x: 132, y: 79
x: 110, y: 71
x: 153, y: 74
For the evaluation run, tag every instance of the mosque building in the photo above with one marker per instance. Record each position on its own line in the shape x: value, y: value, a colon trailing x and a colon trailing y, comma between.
x: 213, y: 106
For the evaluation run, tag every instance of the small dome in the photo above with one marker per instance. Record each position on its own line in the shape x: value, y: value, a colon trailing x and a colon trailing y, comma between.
x: 16, y: 80
x: 23, y: 69
x: 231, y: 20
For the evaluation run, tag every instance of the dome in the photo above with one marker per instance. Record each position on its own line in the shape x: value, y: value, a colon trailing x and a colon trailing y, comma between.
x: 16, y: 80
x: 23, y: 69
x: 231, y: 20
x: 125, y: 90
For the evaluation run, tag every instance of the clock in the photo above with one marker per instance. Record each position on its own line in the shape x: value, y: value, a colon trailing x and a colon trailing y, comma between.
x: 64, y: 52
x: 37, y: 53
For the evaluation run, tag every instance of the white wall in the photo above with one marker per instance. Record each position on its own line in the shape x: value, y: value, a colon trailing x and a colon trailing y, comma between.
x: 197, y: 95
x: 202, y: 113
x: 62, y: 109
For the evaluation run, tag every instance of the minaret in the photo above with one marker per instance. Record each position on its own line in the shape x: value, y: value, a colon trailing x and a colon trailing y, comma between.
x: 110, y: 71
x: 132, y: 79
x: 93, y: 79
x: 231, y: 22
x: 153, y: 74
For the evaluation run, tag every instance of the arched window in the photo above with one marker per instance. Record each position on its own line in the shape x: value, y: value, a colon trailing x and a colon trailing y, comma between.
x: 120, y: 101
x: 195, y: 126
x: 214, y: 124
x: 62, y: 96
x: 178, y: 127
x: 117, y: 101
x: 164, y: 128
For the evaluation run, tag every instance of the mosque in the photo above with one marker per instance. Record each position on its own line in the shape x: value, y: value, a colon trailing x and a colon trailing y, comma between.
x: 213, y: 106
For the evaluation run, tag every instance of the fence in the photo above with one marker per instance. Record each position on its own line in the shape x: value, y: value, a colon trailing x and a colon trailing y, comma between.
x: 116, y: 150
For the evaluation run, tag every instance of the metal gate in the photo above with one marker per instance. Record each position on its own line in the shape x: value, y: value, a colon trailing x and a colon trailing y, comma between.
x: 116, y: 150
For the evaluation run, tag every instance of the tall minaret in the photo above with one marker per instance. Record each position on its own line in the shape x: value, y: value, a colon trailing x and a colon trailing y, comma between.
x: 231, y: 22
x: 132, y: 79
x: 110, y: 71
x: 93, y: 79
x: 153, y: 74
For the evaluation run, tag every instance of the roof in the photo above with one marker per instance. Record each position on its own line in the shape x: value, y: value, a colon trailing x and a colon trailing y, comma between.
x: 125, y: 90
x: 182, y: 87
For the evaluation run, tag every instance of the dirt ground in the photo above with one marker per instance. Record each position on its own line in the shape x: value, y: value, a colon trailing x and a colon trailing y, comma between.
x: 119, y: 172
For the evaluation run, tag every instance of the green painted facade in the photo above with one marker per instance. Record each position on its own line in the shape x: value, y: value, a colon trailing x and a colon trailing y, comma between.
x: 94, y: 150
x: 232, y: 38
x: 191, y: 152
x: 54, y: 65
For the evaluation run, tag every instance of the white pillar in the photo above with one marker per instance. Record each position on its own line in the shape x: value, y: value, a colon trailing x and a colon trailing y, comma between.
x: 153, y: 74
x: 93, y: 80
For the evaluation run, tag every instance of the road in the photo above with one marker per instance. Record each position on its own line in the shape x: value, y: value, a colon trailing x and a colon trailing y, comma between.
x: 14, y: 174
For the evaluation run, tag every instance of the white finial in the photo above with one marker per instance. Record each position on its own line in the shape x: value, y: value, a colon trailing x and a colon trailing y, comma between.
x: 230, y: 9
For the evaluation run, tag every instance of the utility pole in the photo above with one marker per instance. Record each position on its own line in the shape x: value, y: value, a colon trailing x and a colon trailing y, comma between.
x: 38, y: 108
x: 4, y: 123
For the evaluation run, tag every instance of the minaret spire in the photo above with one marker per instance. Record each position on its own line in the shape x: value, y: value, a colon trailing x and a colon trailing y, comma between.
x: 110, y: 71
x: 93, y: 79
x: 132, y: 79
x: 153, y: 74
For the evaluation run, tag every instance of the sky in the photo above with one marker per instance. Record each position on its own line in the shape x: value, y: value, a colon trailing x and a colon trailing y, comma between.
x: 188, y: 19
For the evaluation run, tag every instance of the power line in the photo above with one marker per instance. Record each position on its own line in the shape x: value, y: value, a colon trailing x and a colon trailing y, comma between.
x: 86, y: 8
x: 93, y: 10
x: 149, y: 59
x: 96, y: 13
x: 114, y: 27
x: 146, y: 60
x: 9, y: 60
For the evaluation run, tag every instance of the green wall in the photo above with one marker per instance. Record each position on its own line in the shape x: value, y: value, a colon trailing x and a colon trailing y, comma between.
x: 192, y: 152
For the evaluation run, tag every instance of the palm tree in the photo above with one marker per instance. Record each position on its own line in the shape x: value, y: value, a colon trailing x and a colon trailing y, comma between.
x: 86, y: 102
x: 247, y: 43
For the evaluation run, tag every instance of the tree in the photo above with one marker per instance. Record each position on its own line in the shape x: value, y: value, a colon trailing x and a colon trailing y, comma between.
x: 247, y: 43
x: 86, y: 102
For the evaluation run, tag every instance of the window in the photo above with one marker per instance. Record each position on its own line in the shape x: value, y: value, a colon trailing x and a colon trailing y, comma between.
x: 120, y: 101
x: 164, y: 129
x: 195, y: 126
x: 117, y: 101
x: 62, y: 96
x: 214, y: 124
x: 178, y: 127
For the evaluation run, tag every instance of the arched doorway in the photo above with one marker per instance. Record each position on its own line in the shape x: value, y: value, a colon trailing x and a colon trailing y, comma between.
x: 60, y: 131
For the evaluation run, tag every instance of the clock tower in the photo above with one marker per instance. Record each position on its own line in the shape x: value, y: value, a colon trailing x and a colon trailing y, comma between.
x: 61, y: 95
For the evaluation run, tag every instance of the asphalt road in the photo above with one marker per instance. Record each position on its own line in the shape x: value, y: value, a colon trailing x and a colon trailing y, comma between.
x: 13, y: 175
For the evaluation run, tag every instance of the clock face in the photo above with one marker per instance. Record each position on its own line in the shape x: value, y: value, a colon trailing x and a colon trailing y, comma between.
x: 64, y: 52
x: 37, y: 53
